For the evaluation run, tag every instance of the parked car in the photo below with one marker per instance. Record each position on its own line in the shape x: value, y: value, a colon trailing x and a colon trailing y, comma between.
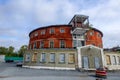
x: 19, y: 64
x: 101, y: 72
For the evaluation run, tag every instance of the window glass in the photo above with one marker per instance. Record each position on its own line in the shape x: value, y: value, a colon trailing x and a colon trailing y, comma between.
x: 114, y: 60
x: 36, y: 34
x: 35, y: 45
x: 62, y: 58
x: 97, y: 62
x: 41, y: 44
x: 62, y: 30
x: 62, y: 44
x: 51, y: 44
x: 52, y: 57
x: 43, y: 57
x: 42, y: 32
x: 27, y: 58
x: 52, y: 31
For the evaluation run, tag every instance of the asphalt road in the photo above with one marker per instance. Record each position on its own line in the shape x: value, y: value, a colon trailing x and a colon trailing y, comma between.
x: 9, y: 71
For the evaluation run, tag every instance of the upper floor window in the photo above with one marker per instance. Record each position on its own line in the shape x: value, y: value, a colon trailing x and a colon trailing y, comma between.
x: 62, y: 44
x: 36, y: 34
x: 41, y: 44
x: 51, y: 44
x: 62, y: 30
x: 42, y: 32
x: 99, y: 35
x: 91, y: 33
x: 35, y: 45
x: 52, y: 31
x: 30, y: 46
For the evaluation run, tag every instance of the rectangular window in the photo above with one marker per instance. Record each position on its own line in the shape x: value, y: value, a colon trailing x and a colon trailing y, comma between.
x: 52, y: 57
x: 114, y: 60
x: 71, y: 58
x: 108, y: 60
x: 52, y: 31
x: 27, y: 57
x: 62, y: 44
x: 74, y: 43
x: 62, y: 31
x: 42, y: 32
x: 119, y: 60
x: 36, y: 34
x: 34, y: 57
x: 35, y: 45
x: 43, y: 57
x: 62, y: 58
x: 41, y: 44
x: 51, y: 44
x: 85, y: 62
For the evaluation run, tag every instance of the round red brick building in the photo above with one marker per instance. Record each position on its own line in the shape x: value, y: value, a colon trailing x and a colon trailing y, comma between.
x: 75, y: 34
x: 64, y: 46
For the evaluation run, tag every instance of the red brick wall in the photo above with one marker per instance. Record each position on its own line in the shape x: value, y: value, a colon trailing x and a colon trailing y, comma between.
x: 56, y: 36
x: 95, y: 38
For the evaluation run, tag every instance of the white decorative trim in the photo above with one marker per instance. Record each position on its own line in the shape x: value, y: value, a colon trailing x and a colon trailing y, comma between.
x: 79, y: 57
x: 43, y: 67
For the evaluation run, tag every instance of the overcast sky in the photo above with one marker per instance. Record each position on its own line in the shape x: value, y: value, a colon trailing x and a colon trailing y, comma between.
x: 19, y: 17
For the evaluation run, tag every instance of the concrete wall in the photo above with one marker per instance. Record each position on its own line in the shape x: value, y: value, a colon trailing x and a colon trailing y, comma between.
x: 90, y: 52
x: 114, y: 60
x: 2, y: 58
x: 49, y: 65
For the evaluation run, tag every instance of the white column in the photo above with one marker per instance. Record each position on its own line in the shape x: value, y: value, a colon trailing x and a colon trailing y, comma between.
x: 103, y: 58
x: 79, y: 57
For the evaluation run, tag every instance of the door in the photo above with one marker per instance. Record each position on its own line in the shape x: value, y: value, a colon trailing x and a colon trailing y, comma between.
x: 97, y: 62
x: 85, y: 62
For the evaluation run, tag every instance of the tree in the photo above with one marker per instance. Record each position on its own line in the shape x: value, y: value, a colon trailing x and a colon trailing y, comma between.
x: 22, y: 50
x: 3, y: 50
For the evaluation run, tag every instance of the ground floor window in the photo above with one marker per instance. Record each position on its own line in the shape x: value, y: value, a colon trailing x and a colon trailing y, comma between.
x: 114, y: 60
x: 108, y: 60
x: 62, y: 58
x: 34, y: 57
x: 119, y: 60
x: 85, y: 62
x: 43, y: 57
x: 27, y: 57
x: 71, y: 58
x: 52, y: 57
